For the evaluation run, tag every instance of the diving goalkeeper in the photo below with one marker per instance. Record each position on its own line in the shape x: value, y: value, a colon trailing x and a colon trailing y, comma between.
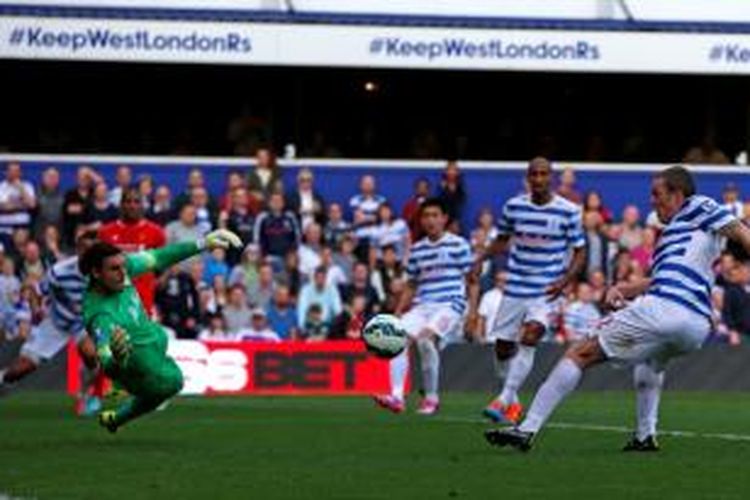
x: 132, y: 349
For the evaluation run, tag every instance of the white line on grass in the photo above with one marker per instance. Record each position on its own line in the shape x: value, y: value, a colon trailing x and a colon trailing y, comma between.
x: 620, y: 429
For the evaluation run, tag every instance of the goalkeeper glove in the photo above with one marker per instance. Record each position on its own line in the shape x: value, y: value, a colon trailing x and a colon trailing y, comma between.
x: 221, y: 238
x: 120, y: 346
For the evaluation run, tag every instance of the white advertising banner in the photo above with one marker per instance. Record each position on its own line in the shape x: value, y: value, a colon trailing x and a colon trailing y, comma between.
x: 371, y: 46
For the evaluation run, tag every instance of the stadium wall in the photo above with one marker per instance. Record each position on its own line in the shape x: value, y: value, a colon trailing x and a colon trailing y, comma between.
x: 488, y: 184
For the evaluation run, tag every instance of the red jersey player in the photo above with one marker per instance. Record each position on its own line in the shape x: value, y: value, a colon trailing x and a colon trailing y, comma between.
x: 133, y: 233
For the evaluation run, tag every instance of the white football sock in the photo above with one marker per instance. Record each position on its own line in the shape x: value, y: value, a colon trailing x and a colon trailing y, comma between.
x: 399, y: 367
x: 430, y: 357
x: 561, y: 382
x: 648, y: 384
x: 519, y: 369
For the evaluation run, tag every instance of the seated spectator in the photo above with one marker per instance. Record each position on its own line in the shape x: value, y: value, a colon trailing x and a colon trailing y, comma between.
x: 336, y: 228
x: 598, y: 282
x: 123, y: 180
x: 361, y: 284
x: 393, y: 297
x: 214, y: 264
x: 161, y: 211
x: 276, y: 229
x: 350, y: 323
x: 452, y: 192
x: 410, y: 212
x: 305, y: 201
x: 593, y: 203
x: 265, y: 176
x: 195, y: 180
x: 291, y: 275
x: 599, y: 248
x: 19, y: 239
x: 238, y: 219
x: 317, y: 292
x: 365, y: 233
x: 489, y: 306
x: 10, y: 285
x: 49, y: 203
x: 644, y: 252
x: 74, y: 203
x: 344, y: 256
x: 258, y: 331
x: 629, y: 233
x: 262, y: 293
x: 207, y: 305
x: 236, y: 312
x: 246, y: 272
x: 334, y: 274
x: 721, y: 333
x: 185, y: 228
x: 581, y: 315
x: 736, y: 311
x: 17, y: 201
x: 732, y: 202
x: 567, y: 188
x: 178, y: 303
x: 145, y: 187
x: 309, y: 251
x: 206, y: 216
x: 481, y: 238
x: 220, y: 291
x: 389, y: 268
x: 99, y: 210
x: 216, y: 331
x: 315, y: 328
x: 196, y: 271
x: 367, y: 201
x: 32, y: 266
x: 391, y: 231
x: 235, y: 180
x: 282, y: 315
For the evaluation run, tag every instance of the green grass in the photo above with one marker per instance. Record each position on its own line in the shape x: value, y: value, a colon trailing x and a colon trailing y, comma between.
x: 264, y: 448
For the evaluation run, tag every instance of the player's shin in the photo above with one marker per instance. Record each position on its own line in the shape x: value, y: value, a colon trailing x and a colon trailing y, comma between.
x: 399, y: 367
x: 430, y: 358
x: 519, y: 369
x: 648, y: 384
x: 561, y: 382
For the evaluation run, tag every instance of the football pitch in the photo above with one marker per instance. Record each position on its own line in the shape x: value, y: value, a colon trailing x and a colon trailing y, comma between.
x: 345, y: 448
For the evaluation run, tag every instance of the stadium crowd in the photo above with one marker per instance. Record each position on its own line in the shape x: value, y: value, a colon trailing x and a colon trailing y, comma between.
x: 311, y: 269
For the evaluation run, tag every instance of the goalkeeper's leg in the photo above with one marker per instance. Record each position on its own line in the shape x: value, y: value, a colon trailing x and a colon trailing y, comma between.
x: 162, y: 384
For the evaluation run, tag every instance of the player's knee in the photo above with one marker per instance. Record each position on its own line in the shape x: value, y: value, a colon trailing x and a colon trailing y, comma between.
x: 505, y: 350
x: 532, y: 333
x: 585, y: 353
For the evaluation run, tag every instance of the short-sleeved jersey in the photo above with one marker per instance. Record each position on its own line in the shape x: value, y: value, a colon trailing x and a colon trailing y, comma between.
x: 682, y: 268
x: 438, y: 269
x: 542, y: 237
x: 63, y: 287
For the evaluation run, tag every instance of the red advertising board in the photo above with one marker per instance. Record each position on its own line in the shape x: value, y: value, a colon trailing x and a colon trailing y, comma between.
x: 339, y: 367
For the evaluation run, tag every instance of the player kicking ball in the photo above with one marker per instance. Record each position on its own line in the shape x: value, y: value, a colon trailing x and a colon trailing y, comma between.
x: 132, y: 349
x: 671, y: 315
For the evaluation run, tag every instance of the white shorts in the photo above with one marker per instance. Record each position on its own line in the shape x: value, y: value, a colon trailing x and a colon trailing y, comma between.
x: 515, y: 312
x: 45, y: 340
x: 651, y: 329
x: 441, y: 319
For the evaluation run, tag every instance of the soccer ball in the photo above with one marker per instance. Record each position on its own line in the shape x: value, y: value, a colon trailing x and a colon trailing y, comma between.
x: 384, y: 336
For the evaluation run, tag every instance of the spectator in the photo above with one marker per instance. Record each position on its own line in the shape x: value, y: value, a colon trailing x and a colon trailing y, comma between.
x: 50, y: 203
x: 489, y: 305
x: 644, y: 252
x: 593, y: 203
x: 276, y: 229
x: 361, y: 285
x: 220, y: 291
x: 196, y: 269
x: 389, y: 268
x: 214, y: 264
x: 207, y: 304
x: 161, y: 212
x: 10, y: 285
x: 732, y: 202
x: 32, y: 265
x: 265, y: 177
x: 237, y: 314
x: 309, y: 251
x: 235, y: 180
x: 336, y: 227
x: 123, y: 180
x: 246, y: 272
x: 598, y: 245
x: 345, y: 257
x: 133, y: 233
x: 98, y: 209
x: 580, y: 316
x: 392, y: 232
x: 393, y: 297
x: 481, y: 238
x: 178, y: 303
x: 75, y: 201
x: 291, y: 274
x: 365, y: 231
x: 145, y: 186
x: 598, y: 282
x: 185, y: 228
x: 17, y: 201
x: 721, y: 332
x: 410, y: 212
x: 20, y: 238
x: 452, y: 192
x: 238, y: 219
x: 736, y: 311
x: 282, y: 316
x: 316, y: 292
x: 629, y: 232
x: 51, y: 251
x: 367, y: 201
x: 259, y: 330
x: 316, y: 328
x: 351, y: 321
x: 305, y: 201
x: 262, y: 293
x: 216, y: 331
x: 195, y: 180
x: 205, y: 213
x: 334, y: 274
x: 567, y: 188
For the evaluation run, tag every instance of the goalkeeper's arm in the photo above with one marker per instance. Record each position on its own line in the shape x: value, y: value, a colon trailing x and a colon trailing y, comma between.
x: 163, y: 258
x: 112, y: 343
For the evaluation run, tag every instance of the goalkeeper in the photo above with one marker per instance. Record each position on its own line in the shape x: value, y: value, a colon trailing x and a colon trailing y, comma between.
x: 132, y: 349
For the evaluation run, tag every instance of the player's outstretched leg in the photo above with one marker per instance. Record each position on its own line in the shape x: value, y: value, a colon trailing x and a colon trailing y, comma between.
x: 648, y: 383
x: 430, y: 359
x: 394, y: 402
